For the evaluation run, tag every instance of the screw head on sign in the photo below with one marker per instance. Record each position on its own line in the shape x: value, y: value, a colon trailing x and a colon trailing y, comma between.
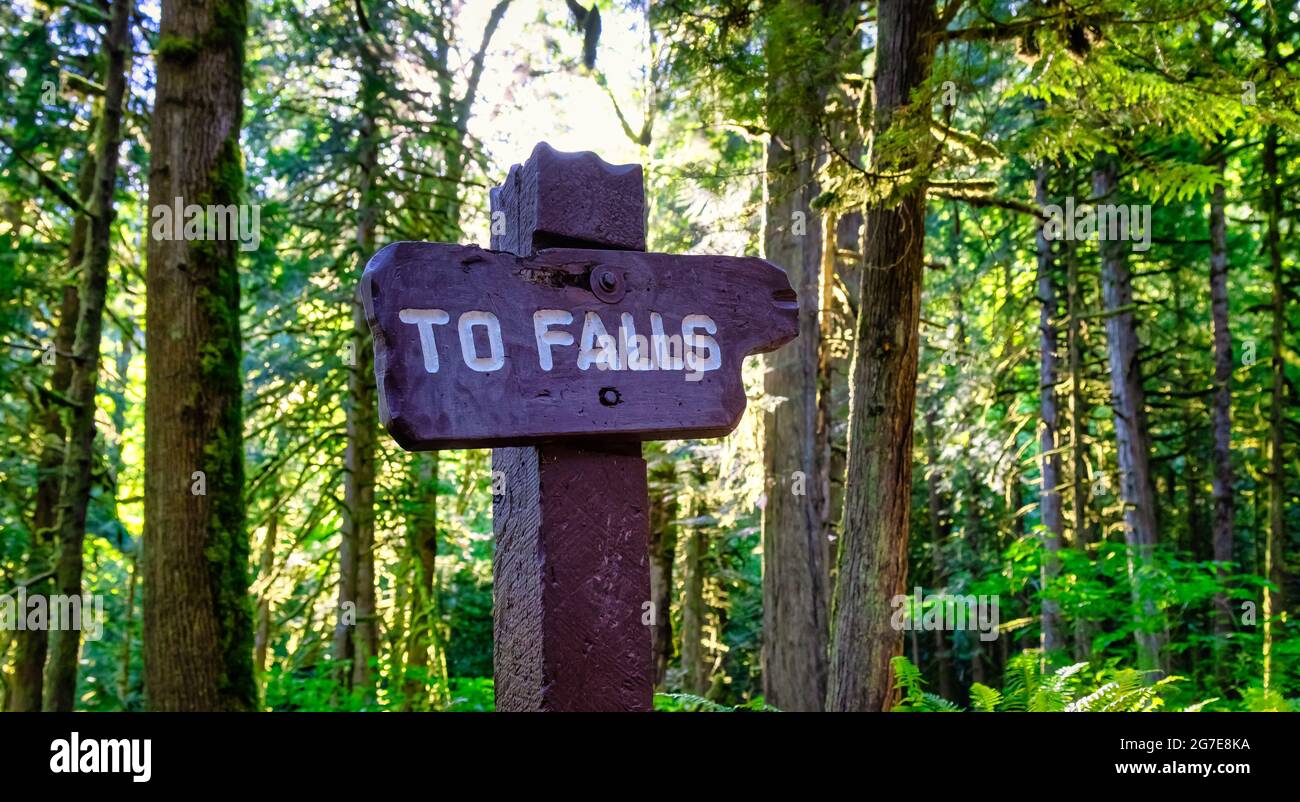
x: 607, y: 285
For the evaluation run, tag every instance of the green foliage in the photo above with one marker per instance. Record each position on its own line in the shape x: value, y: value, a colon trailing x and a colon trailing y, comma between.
x: 1258, y: 700
x: 471, y: 695
x: 1069, y: 689
x: 984, y: 699
x: 1168, y: 89
x: 916, y: 699
x: 690, y: 703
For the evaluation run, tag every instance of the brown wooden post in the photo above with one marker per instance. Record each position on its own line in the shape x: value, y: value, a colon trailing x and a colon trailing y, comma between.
x: 511, y: 349
x: 571, y: 570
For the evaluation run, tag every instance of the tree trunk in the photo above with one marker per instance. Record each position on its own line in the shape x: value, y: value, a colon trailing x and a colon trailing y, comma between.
x: 32, y: 645
x: 356, y: 634
x: 1274, y: 565
x: 198, y: 633
x: 266, y: 566
x: 695, y: 678
x: 877, y: 505
x: 74, y: 490
x: 847, y: 277
x: 938, y: 542
x: 359, y: 499
x: 1080, y: 492
x: 1128, y: 401
x: 124, y: 657
x: 663, y: 548
x: 826, y: 401
x: 1049, y: 457
x: 794, y: 530
x: 362, y: 424
x: 422, y: 543
x: 1222, y: 409
x: 346, y: 614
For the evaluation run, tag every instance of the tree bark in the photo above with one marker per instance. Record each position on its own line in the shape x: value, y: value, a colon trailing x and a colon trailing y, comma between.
x: 1080, y: 492
x: 198, y: 633
x: 877, y: 505
x: 422, y: 542
x: 74, y: 491
x: 663, y: 548
x: 1128, y: 402
x: 358, y: 642
x: 346, y: 615
x: 124, y: 656
x: 359, y: 495
x: 1050, y: 511
x: 795, y: 596
x: 695, y: 675
x: 1274, y: 565
x: 938, y: 543
x: 1221, y: 425
x: 266, y: 566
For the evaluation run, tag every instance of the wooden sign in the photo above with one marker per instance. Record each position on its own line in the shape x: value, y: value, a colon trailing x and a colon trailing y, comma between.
x: 567, y: 347
x: 478, y: 348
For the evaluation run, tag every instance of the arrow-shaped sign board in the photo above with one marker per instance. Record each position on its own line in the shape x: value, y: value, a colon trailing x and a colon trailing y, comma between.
x: 478, y: 348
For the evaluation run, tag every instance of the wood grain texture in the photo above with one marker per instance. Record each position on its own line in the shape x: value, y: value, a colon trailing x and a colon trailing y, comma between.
x: 569, y: 199
x: 750, y: 301
x: 571, y: 578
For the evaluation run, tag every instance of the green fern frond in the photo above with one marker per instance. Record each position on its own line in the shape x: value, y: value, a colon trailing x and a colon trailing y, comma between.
x: 934, y: 703
x: 984, y: 699
x: 907, y: 677
x: 688, y: 703
x: 1196, y: 708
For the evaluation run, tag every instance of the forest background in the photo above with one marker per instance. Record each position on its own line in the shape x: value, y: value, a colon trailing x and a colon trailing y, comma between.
x: 985, y: 399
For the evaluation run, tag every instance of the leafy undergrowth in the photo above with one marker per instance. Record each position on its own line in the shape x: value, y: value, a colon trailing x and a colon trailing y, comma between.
x: 690, y: 703
x: 1070, y: 689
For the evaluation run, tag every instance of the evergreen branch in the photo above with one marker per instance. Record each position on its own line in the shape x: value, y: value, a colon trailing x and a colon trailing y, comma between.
x: 989, y: 201
x: 49, y: 181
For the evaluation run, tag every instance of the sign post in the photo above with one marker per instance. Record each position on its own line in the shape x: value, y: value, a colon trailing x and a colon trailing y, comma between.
x: 564, y: 348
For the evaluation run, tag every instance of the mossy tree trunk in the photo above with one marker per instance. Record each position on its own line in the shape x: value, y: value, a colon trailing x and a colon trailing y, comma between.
x: 198, y: 632
x: 695, y: 677
x: 877, y: 504
x: 694, y: 672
